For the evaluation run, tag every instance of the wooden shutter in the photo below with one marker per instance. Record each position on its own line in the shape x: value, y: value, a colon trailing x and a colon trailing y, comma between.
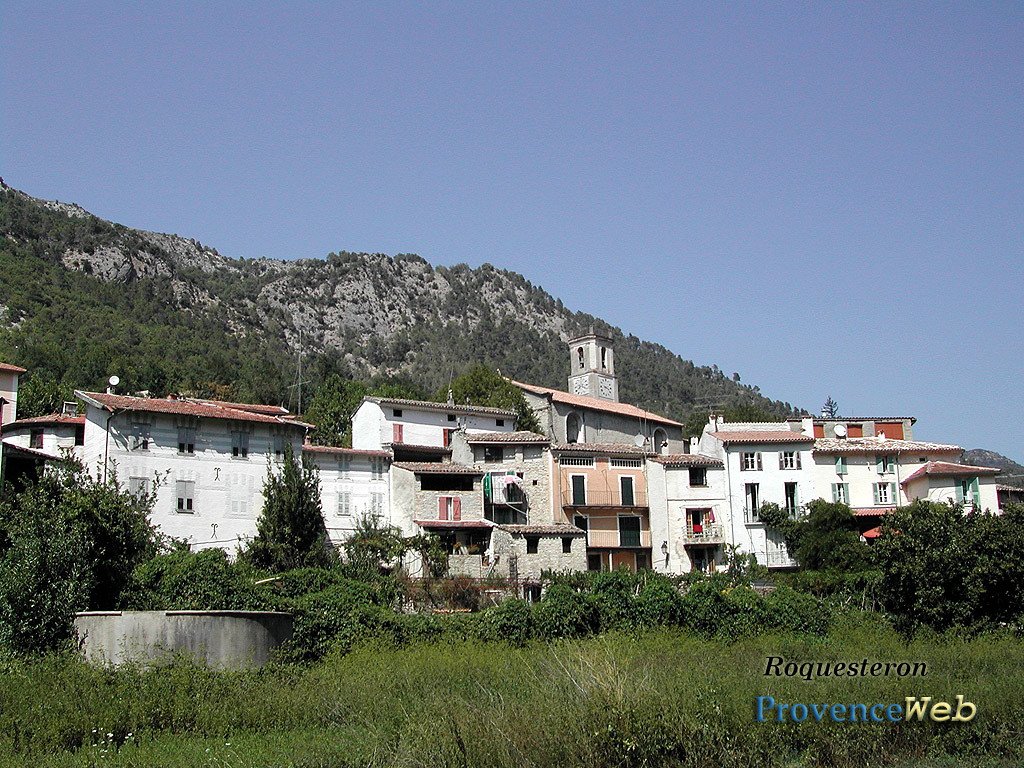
x: 759, y: 464
x: 442, y: 508
x: 457, y: 508
x: 875, y: 489
x: 397, y: 433
x: 892, y: 493
x: 798, y: 464
x: 782, y: 459
x: 835, y: 493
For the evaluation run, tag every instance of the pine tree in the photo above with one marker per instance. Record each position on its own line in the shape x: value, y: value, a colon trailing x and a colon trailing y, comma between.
x: 291, y: 532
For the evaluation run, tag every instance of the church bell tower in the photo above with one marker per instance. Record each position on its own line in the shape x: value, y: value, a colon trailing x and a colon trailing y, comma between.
x: 592, y: 367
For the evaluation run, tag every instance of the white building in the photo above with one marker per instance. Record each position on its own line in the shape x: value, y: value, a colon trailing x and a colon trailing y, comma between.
x: 354, y: 485
x: 56, y: 435
x: 9, y: 392
x: 691, y: 521
x: 763, y: 463
x: 944, y: 481
x: 418, y: 430
x: 207, y: 460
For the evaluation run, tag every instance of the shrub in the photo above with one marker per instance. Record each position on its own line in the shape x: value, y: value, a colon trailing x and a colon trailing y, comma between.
x: 794, y: 611
x: 334, y: 619
x: 510, y: 621
x: 563, y: 613
x: 659, y: 604
x: 705, y: 608
x: 197, y: 581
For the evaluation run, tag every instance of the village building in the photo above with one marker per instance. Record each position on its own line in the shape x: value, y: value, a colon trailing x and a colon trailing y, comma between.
x: 9, y: 375
x: 1009, y: 494
x: 57, y: 435
x: 354, y: 486
x: 205, y: 460
x: 945, y: 481
x: 764, y: 462
x: 691, y: 521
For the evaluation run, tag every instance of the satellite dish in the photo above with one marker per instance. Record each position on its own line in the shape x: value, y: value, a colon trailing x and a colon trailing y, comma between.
x: 639, y: 441
x: 114, y: 380
x: 840, y: 430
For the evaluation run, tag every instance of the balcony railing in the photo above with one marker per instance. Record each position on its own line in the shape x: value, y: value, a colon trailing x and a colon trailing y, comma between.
x: 619, y: 539
x: 776, y: 559
x: 604, y: 498
x: 707, y: 533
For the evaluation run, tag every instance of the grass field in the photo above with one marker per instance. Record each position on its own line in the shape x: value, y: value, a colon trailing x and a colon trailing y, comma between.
x: 660, y: 698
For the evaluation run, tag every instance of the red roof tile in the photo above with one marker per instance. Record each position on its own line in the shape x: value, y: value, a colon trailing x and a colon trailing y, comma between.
x: 873, y: 511
x: 873, y: 533
x: 505, y: 437
x: 687, y: 460
x: 596, y: 404
x: 555, y: 529
x: 762, y: 436
x: 331, y: 450
x: 8, y: 368
x: 837, y: 446
x: 437, y: 468
x: 601, y: 448
x: 42, y: 421
x: 453, y: 523
x: 428, y: 405
x: 269, y: 410
x: 948, y: 469
x: 182, y: 407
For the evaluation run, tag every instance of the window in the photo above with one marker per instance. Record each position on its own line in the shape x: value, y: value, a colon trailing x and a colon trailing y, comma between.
x: 841, y: 465
x: 80, y: 435
x: 345, y: 503
x: 139, y: 437
x: 377, y: 503
x: 626, y: 494
x: 446, y: 437
x: 397, y: 412
x: 398, y: 432
x: 752, y: 497
x: 595, y: 562
x: 792, y: 499
x: 451, y: 417
x: 576, y: 461
x: 885, y: 493
x: 449, y: 508
x: 627, y: 463
x: 446, y: 482
x: 751, y: 462
x: 499, y: 422
x: 629, y: 531
x: 579, y: 490
x: 567, y: 545
x: 660, y: 441
x: 886, y: 464
x: 186, y: 440
x: 579, y: 357
x: 581, y: 522
x: 138, y: 486
x: 240, y: 445
x: 643, y: 561
x: 377, y: 468
x: 698, y: 477
x: 841, y: 493
x: 789, y: 460
x: 35, y: 439
x: 604, y: 357
x: 532, y: 543
x: 185, y: 491
x: 493, y: 454
x: 968, y: 491
x: 573, y: 425
x: 279, y: 445
x: 344, y: 465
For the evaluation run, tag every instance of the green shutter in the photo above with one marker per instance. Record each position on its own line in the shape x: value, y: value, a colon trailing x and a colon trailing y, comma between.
x: 892, y: 493
x: 835, y: 493
x: 875, y: 489
x: 959, y: 491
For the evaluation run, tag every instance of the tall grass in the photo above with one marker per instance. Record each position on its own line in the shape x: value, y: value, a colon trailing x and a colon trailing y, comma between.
x: 656, y: 698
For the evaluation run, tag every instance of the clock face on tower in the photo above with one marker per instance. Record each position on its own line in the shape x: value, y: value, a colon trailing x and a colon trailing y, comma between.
x: 605, y: 388
x: 579, y: 386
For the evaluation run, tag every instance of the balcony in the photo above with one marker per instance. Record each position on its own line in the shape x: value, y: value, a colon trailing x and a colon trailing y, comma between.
x: 708, y: 534
x: 604, y: 498
x: 776, y: 559
x: 624, y: 539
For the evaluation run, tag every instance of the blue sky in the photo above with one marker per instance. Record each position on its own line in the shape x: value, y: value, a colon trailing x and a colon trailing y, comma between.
x: 826, y: 198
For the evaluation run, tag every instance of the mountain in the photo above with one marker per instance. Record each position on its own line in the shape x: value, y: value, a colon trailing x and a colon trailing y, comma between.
x: 1012, y: 474
x: 83, y: 298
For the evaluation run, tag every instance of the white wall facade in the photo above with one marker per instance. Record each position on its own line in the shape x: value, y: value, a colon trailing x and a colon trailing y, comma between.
x: 9, y: 392
x: 353, y: 485
x: 944, y: 490
x: 862, y: 475
x: 227, y: 491
x: 373, y: 424
x: 671, y: 497
x: 58, y: 438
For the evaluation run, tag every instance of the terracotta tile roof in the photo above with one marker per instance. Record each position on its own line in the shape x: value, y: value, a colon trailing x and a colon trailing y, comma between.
x: 181, y: 407
x: 8, y: 368
x: 269, y: 410
x: 554, y: 529
x: 761, y: 436
x: 873, y: 533
x: 331, y: 450
x: 52, y: 419
x: 597, y: 404
x: 844, y: 419
x: 506, y: 437
x: 16, y: 450
x: 454, y: 523
x: 1009, y: 488
x: 428, y: 405
x: 855, y: 445
x: 688, y: 460
x: 602, y: 448
x: 437, y: 468
x: 421, y: 448
x: 873, y: 511
x: 948, y: 469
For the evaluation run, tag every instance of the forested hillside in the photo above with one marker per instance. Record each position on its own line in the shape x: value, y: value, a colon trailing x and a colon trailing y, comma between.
x: 83, y: 298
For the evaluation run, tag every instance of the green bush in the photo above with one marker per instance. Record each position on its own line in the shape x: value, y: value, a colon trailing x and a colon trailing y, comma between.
x: 793, y: 611
x: 705, y: 609
x: 563, y: 613
x: 510, y: 622
x: 659, y: 603
x: 334, y: 619
x: 196, y: 581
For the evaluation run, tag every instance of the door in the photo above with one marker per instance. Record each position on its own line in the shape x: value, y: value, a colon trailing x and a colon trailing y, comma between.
x: 579, y: 490
x: 626, y: 486
x: 629, y: 531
